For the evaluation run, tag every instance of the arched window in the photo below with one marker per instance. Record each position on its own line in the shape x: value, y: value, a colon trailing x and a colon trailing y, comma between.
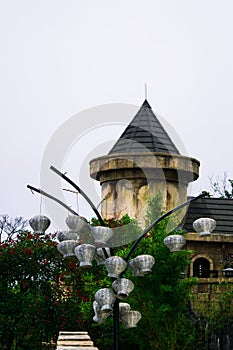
x: 201, y: 268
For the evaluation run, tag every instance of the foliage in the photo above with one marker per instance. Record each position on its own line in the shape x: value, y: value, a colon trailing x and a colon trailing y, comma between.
x: 10, y: 226
x: 41, y: 293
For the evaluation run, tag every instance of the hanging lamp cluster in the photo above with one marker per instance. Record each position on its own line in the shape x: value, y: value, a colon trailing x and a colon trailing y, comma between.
x: 95, y: 248
x: 71, y: 244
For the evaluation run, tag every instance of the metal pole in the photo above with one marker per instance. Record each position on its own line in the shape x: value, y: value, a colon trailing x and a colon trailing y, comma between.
x: 116, y: 325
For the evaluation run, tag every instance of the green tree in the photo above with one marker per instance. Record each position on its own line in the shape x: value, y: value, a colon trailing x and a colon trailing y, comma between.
x: 40, y: 292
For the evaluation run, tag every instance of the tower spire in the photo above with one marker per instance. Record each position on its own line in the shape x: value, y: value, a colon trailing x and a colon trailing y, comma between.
x: 145, y: 91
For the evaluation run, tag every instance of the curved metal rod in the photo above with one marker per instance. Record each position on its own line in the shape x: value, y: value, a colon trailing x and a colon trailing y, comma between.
x: 38, y: 190
x: 160, y: 219
x: 81, y: 192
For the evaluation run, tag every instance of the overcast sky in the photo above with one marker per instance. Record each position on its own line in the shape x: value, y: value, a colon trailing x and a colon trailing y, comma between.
x: 61, y: 57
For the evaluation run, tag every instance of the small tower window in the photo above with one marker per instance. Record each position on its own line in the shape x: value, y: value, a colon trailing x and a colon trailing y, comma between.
x: 201, y: 268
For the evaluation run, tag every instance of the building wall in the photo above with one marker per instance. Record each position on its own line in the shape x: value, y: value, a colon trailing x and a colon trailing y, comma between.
x: 216, y: 249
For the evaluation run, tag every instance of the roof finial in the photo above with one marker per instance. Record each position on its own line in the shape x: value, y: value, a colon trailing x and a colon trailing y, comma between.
x: 145, y: 91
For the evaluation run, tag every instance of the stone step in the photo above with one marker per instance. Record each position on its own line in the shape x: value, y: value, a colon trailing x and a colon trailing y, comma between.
x: 64, y: 332
x: 74, y: 341
x: 74, y: 336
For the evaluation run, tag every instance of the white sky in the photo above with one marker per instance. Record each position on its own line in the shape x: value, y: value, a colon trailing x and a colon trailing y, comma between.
x: 60, y: 57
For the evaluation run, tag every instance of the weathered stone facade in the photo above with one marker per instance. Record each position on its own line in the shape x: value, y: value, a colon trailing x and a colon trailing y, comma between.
x: 209, y: 258
x: 128, y: 179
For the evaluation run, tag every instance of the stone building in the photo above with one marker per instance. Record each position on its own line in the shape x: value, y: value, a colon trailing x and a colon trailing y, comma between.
x: 212, y: 260
x: 145, y: 161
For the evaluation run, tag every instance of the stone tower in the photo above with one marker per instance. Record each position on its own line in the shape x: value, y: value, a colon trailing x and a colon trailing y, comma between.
x: 143, y: 162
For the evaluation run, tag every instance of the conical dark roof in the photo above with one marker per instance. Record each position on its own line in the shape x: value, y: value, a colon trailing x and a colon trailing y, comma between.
x: 145, y: 133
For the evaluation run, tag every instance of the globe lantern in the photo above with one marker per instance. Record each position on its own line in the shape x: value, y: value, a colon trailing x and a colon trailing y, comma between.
x: 39, y: 224
x: 174, y: 242
x: 75, y: 222
x: 142, y: 264
x: 66, y: 248
x: 115, y: 265
x: 105, y: 297
x: 85, y: 254
x: 204, y: 226
x: 122, y: 287
x: 131, y: 318
x: 101, y: 235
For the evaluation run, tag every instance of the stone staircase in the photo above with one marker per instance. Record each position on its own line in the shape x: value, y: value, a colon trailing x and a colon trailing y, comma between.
x: 74, y: 341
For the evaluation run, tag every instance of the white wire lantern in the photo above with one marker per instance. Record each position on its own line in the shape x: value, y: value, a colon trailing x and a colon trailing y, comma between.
x: 204, y: 226
x: 105, y: 297
x: 122, y: 287
x: 174, y: 243
x: 66, y: 248
x: 75, y: 223
x: 101, y: 235
x: 142, y: 264
x: 100, y: 316
x: 85, y: 254
x: 115, y: 265
x: 131, y: 318
x: 39, y: 223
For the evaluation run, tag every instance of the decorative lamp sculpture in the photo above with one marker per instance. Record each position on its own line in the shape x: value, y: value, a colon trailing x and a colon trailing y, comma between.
x: 142, y: 264
x: 39, y: 224
x: 100, y: 255
x: 105, y: 297
x: 174, y: 242
x: 101, y: 235
x: 85, y: 254
x: 66, y: 248
x: 204, y: 226
x: 131, y: 318
x: 122, y: 287
x: 115, y: 266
